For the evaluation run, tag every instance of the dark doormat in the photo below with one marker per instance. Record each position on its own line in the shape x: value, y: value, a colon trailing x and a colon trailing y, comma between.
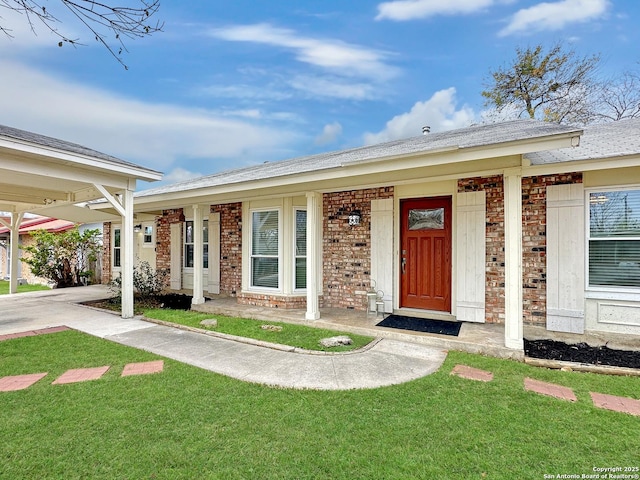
x: 402, y: 322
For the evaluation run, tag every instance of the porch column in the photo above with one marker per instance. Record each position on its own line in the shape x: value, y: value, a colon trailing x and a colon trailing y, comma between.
x: 14, y: 252
x: 127, y: 254
x: 513, y: 334
x: 124, y: 206
x: 198, y: 257
x: 314, y: 253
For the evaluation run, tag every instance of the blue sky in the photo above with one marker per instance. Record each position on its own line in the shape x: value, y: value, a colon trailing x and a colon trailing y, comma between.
x: 230, y: 84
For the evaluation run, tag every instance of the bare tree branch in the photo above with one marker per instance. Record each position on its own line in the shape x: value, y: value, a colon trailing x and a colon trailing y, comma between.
x: 108, y: 24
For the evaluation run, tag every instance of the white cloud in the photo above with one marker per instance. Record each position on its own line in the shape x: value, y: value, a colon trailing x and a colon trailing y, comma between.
x: 155, y: 135
x: 347, y: 59
x: 554, y: 16
x: 330, y: 134
x: 414, y: 9
x: 245, y: 92
x: 439, y: 113
x: 334, y: 87
x: 179, y: 174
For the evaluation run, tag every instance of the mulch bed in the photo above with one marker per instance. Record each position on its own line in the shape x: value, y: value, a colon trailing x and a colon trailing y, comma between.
x: 581, y: 353
x: 174, y: 301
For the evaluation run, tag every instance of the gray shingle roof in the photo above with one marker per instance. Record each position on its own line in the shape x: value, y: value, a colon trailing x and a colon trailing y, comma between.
x: 64, y: 146
x: 475, y: 136
x: 607, y: 140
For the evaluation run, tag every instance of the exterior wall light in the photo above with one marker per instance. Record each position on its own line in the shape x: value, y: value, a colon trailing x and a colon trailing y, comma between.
x: 354, y: 218
x: 137, y: 228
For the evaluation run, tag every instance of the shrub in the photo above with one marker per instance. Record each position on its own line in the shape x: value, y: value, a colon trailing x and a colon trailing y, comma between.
x: 147, y: 282
x: 63, y: 257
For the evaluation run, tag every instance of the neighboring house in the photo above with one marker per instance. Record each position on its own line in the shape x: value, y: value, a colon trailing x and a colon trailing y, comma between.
x: 28, y: 226
x: 510, y: 223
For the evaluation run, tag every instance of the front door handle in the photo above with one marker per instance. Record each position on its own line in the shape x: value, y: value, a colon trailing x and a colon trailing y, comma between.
x: 403, y: 264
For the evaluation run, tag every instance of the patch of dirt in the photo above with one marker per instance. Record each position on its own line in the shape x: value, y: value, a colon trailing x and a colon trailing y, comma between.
x: 581, y: 353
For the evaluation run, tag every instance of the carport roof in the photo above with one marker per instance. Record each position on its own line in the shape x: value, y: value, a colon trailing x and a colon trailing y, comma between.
x: 56, y: 144
x: 49, y: 176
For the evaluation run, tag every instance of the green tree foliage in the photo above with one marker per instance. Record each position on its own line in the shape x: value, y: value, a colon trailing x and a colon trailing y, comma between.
x: 108, y: 24
x: 64, y: 257
x: 554, y: 86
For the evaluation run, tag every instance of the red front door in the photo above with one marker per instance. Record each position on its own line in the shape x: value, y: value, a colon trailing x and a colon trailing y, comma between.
x: 425, y: 256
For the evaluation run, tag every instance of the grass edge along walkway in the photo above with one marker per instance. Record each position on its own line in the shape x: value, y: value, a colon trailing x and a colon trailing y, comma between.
x: 191, y: 423
x: 291, y: 336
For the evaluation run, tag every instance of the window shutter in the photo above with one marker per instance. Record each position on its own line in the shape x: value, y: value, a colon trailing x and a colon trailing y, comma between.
x: 382, y: 249
x: 471, y: 256
x: 565, y: 258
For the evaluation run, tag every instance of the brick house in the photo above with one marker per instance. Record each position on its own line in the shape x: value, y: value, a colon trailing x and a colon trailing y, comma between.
x: 520, y: 222
x: 27, y: 226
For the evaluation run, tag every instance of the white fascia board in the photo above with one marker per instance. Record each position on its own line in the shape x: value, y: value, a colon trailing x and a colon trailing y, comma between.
x: 582, y: 165
x: 79, y: 160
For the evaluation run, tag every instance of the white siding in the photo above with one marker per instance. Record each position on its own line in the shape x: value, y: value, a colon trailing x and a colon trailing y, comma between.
x: 565, y: 258
x: 470, y: 256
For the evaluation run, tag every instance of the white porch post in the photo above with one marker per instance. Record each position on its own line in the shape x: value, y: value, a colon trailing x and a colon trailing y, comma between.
x: 314, y: 238
x: 513, y: 332
x: 198, y: 257
x: 127, y: 257
x: 124, y: 206
x: 14, y: 253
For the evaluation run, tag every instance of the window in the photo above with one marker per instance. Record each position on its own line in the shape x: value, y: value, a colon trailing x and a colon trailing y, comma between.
x: 189, y: 244
x: 147, y: 238
x: 614, y: 238
x: 264, y: 249
x: 116, y: 247
x: 301, y: 249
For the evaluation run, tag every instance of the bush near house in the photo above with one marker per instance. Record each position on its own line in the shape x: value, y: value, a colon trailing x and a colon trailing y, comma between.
x: 64, y: 257
x: 147, y: 283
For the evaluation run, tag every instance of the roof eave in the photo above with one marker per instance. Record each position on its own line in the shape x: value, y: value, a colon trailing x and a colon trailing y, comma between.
x: 140, y: 173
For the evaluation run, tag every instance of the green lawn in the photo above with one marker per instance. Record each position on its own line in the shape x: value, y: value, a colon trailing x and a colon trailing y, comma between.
x: 300, y: 336
x: 187, y: 423
x: 4, y: 288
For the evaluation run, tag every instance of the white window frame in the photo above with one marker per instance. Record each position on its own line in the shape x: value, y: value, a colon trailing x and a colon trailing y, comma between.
x: 294, y: 252
x: 151, y: 242
x: 113, y: 247
x: 597, y: 291
x: 205, y: 223
x: 251, y: 256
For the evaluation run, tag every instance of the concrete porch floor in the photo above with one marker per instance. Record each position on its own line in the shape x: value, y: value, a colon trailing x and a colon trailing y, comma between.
x: 486, y: 339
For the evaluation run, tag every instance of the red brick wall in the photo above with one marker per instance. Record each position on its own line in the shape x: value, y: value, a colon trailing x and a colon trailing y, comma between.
x: 495, y: 273
x: 534, y: 243
x: 163, y: 238
x: 230, y: 247
x: 347, y: 249
x: 272, y: 301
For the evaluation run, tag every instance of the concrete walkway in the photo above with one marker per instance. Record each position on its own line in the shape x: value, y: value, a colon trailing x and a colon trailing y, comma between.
x: 386, y: 362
